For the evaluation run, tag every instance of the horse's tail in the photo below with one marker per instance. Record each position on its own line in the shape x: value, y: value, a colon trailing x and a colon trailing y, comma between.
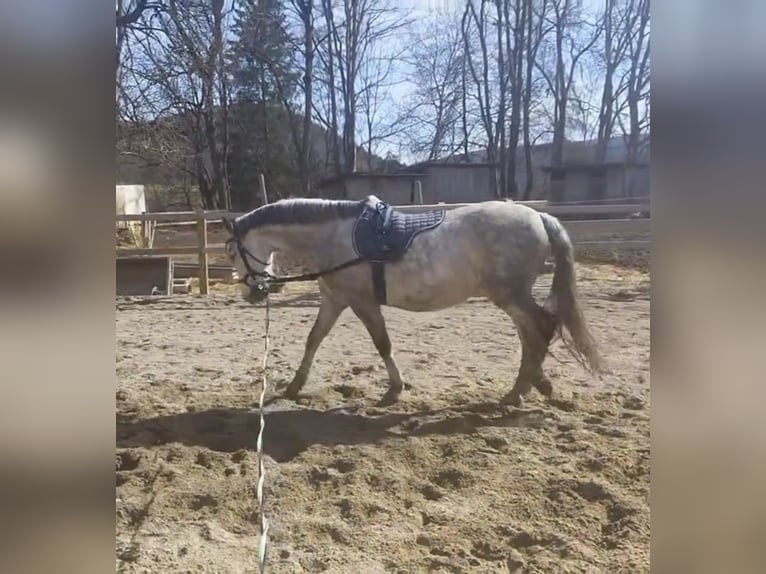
x: 563, y: 300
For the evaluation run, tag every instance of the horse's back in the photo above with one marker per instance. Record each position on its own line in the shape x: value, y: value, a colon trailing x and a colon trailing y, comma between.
x: 498, y: 218
x: 501, y: 239
x: 475, y: 251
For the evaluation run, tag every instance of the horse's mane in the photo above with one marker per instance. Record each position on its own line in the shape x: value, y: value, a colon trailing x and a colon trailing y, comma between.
x: 299, y: 210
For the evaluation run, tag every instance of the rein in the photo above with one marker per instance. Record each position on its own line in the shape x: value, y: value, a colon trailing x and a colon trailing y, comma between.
x: 245, y: 255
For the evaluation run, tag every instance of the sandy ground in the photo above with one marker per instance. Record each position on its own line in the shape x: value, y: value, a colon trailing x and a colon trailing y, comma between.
x: 445, y: 481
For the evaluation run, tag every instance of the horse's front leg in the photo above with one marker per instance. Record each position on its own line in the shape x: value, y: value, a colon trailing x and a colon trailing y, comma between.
x: 329, y: 311
x: 373, y: 319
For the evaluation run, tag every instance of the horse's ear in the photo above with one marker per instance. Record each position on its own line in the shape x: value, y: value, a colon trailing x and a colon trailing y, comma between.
x: 228, y: 224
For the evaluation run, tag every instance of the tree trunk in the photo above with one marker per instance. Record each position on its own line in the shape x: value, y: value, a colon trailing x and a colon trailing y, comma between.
x: 516, y: 59
x: 349, y: 100
x: 482, y: 85
x: 308, y: 46
x: 211, y: 132
x: 332, y: 33
x: 606, y: 111
x: 637, y: 79
x: 560, y: 104
x: 464, y: 107
x: 532, y: 43
x: 502, y: 24
x: 225, y: 126
x: 207, y: 194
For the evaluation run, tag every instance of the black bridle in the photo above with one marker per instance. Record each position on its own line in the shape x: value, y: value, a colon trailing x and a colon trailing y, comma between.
x: 245, y: 255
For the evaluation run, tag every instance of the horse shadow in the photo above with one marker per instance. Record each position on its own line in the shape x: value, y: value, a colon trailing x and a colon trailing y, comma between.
x: 291, y: 430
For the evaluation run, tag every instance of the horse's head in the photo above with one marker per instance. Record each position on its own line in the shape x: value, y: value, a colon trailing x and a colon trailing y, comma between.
x: 252, y: 265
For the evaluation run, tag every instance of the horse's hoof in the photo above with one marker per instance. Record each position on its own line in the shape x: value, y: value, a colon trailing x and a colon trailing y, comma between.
x: 545, y: 388
x: 292, y: 390
x: 511, y: 399
x: 390, y: 398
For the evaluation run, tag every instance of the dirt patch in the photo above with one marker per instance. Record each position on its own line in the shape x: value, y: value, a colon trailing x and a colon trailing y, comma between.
x: 447, y: 480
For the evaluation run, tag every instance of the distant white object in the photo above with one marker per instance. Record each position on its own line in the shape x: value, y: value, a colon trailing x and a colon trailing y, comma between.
x: 131, y: 200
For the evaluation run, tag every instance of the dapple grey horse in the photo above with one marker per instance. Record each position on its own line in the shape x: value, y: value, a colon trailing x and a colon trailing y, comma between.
x: 494, y: 249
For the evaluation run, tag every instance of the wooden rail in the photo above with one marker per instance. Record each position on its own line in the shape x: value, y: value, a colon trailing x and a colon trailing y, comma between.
x: 215, y: 249
x: 191, y: 217
x: 581, y: 231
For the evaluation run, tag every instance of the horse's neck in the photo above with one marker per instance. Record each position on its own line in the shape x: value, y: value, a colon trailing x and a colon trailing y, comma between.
x: 314, y: 243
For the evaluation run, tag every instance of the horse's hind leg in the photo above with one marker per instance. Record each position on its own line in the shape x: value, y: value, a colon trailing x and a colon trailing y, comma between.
x: 536, y: 327
x: 373, y: 320
x: 329, y: 311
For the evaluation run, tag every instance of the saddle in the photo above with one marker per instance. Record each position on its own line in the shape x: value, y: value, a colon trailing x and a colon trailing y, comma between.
x: 383, y: 235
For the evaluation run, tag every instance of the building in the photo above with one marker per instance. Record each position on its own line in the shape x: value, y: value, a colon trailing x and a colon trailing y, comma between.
x: 395, y: 188
x: 581, y: 179
x: 468, y: 180
x: 440, y: 182
x: 453, y: 182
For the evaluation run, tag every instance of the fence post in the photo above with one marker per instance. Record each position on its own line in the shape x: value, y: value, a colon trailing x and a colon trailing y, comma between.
x: 262, y: 181
x: 204, y: 280
x: 144, y: 242
x: 170, y: 275
x: 418, y: 192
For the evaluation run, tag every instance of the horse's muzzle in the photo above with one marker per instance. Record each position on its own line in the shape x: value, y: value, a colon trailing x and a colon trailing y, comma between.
x: 255, y: 293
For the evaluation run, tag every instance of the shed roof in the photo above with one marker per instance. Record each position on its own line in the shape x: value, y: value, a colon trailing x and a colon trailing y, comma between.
x: 370, y: 175
x: 587, y: 166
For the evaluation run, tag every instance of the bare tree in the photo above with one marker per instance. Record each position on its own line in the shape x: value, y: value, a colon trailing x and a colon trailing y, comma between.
x: 304, y: 9
x: 534, y: 18
x: 485, y: 77
x: 572, y: 37
x: 436, y: 108
x: 158, y: 115
x: 475, y: 25
x: 496, y: 66
x: 129, y: 16
x: 619, y: 18
x: 349, y: 42
x: 131, y: 12
x: 179, y: 70
x: 464, y: 102
x: 503, y: 80
x: 635, y: 81
x: 636, y: 85
x: 377, y: 79
x: 331, y: 59
x: 513, y: 23
x: 354, y: 25
x: 199, y: 30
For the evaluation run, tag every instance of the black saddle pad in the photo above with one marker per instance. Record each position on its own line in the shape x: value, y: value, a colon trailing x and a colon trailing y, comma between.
x: 383, y: 235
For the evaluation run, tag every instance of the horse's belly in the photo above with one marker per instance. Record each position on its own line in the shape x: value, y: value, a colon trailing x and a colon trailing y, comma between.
x: 411, y: 303
x: 427, y: 289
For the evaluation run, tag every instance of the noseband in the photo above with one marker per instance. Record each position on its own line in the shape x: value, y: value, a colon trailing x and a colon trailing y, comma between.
x: 245, y: 255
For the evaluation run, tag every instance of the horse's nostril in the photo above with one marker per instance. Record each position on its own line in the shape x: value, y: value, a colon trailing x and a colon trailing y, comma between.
x: 256, y: 293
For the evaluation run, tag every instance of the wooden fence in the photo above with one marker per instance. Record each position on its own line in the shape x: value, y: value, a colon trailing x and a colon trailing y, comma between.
x: 582, y: 232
